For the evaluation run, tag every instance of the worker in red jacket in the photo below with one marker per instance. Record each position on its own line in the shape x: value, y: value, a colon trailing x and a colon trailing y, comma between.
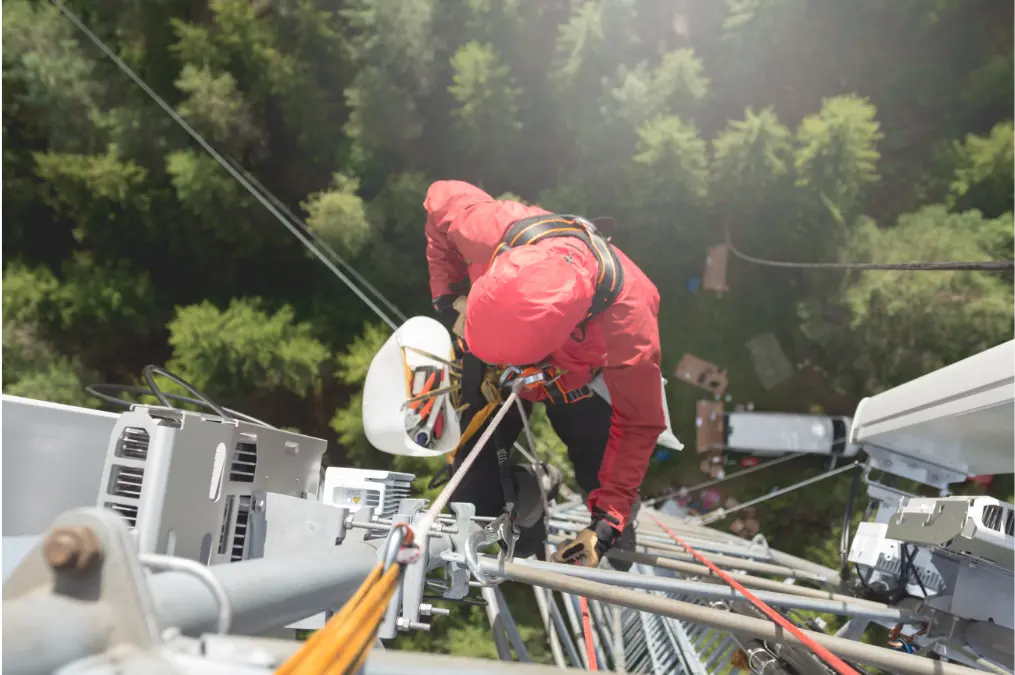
x: 548, y: 292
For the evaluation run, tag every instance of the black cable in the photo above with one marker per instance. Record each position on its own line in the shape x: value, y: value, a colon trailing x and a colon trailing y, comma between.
x: 151, y: 371
x: 981, y: 266
x: 912, y: 569
x: 864, y: 582
x: 108, y: 394
x: 847, y: 518
x: 905, y: 564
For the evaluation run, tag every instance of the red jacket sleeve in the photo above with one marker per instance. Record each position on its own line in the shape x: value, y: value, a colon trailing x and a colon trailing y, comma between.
x: 447, y: 267
x: 445, y: 202
x: 632, y: 375
x: 636, y: 397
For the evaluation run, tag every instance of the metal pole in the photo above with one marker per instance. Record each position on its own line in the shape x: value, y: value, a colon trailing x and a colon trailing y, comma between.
x: 603, y: 641
x: 576, y: 628
x: 888, y: 659
x: 696, y: 570
x: 620, y: 665
x: 710, y: 534
x: 496, y: 625
x: 727, y: 562
x: 801, y: 565
x: 551, y: 629
x: 562, y: 631
x: 510, y: 627
x: 264, y: 593
x: 716, y: 481
x: 717, y: 592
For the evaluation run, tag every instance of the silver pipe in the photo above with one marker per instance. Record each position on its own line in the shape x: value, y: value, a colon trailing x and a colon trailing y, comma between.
x: 730, y: 563
x: 620, y: 665
x: 696, y: 570
x: 888, y: 659
x: 510, y: 627
x: 558, y: 622
x: 301, y: 585
x: 551, y: 629
x: 496, y: 625
x: 717, y: 592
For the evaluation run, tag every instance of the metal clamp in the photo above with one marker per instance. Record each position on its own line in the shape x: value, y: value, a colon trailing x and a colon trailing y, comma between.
x: 203, y: 574
x: 501, y: 531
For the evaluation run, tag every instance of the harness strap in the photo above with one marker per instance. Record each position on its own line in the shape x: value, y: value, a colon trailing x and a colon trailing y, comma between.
x: 536, y: 228
x: 557, y: 394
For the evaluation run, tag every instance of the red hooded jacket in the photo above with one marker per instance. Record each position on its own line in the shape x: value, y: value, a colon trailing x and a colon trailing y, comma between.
x: 524, y: 306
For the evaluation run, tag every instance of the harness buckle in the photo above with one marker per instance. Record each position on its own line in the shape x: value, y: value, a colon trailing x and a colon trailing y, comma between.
x: 529, y: 377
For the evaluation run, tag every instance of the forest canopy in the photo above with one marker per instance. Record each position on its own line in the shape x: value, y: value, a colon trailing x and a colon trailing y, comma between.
x: 810, y: 130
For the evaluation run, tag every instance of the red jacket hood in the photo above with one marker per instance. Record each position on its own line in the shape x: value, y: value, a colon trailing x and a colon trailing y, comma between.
x: 528, y: 303
x: 446, y: 196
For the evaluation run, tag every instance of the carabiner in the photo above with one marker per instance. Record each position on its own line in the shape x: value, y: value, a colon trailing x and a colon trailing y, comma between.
x: 501, y: 531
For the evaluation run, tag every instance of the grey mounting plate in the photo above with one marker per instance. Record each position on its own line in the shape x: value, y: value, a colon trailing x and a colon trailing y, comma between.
x: 112, y: 591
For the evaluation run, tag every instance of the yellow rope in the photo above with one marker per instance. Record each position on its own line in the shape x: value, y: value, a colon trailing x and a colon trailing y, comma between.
x: 336, y: 646
x: 477, y: 422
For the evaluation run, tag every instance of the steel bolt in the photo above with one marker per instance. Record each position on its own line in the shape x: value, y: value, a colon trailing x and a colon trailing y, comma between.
x: 73, y: 549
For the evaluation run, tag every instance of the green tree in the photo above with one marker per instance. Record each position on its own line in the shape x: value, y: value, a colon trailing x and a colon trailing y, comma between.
x: 244, y: 352
x: 837, y: 156
x: 338, y: 215
x: 983, y: 171
x: 910, y: 324
x: 487, y: 116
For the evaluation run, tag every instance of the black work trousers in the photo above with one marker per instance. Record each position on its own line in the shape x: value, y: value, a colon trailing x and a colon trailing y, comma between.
x: 584, y: 428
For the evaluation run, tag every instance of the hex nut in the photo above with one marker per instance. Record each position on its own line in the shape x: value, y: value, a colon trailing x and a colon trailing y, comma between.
x: 71, y: 549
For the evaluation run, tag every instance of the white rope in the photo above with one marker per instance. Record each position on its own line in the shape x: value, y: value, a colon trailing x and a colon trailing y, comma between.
x: 444, y: 497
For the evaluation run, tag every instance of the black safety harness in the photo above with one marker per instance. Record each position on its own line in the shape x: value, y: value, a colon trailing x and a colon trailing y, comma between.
x: 609, y: 283
x: 536, y: 228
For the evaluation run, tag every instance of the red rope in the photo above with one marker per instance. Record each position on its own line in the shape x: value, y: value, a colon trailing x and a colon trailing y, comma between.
x: 590, y: 644
x: 831, y: 659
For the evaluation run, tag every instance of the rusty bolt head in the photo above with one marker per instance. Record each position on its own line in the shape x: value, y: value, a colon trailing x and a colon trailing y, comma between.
x: 71, y: 549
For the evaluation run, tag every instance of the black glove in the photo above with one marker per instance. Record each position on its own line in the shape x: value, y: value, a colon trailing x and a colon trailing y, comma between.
x: 446, y: 312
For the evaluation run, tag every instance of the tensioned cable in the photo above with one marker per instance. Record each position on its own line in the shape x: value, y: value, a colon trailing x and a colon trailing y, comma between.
x: 715, y: 481
x: 721, y: 514
x: 240, y: 178
x: 982, y: 266
x: 318, y: 239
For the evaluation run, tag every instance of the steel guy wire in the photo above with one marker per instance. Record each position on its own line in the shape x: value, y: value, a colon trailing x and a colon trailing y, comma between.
x: 237, y: 175
x: 319, y: 240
